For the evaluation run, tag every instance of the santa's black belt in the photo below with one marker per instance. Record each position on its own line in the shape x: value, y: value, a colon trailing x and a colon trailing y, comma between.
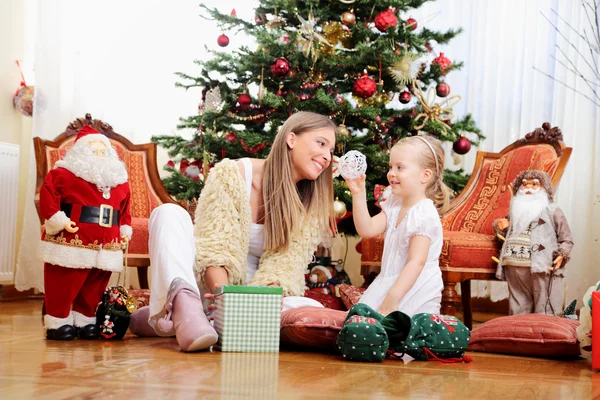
x: 91, y: 215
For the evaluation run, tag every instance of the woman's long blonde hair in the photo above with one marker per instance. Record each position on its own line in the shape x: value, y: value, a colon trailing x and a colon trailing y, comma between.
x: 436, y: 190
x: 285, y: 202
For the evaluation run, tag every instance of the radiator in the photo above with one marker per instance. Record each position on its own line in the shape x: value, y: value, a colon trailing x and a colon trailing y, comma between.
x: 9, y: 191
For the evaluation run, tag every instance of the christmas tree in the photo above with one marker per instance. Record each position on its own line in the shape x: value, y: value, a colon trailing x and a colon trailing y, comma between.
x: 359, y: 62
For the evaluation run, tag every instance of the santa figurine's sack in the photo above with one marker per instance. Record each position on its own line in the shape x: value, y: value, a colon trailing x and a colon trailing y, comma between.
x: 114, y: 312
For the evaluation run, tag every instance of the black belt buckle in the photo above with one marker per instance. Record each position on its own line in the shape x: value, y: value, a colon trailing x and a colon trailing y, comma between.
x: 101, y: 216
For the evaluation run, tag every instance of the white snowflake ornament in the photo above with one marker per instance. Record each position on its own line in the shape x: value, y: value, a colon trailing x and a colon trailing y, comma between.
x: 352, y: 164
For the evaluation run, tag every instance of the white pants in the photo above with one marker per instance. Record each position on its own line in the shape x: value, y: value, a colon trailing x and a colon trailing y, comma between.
x: 172, y: 255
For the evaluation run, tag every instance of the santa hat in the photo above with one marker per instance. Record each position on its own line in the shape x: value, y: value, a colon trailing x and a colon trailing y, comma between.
x: 89, y: 134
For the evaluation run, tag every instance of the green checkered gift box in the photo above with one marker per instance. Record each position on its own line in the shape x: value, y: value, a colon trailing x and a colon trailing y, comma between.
x: 248, y: 318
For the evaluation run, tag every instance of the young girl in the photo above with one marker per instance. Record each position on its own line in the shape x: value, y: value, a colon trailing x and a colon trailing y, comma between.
x: 410, y: 280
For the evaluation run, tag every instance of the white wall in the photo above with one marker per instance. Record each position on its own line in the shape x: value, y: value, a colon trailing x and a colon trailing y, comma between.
x: 14, y: 128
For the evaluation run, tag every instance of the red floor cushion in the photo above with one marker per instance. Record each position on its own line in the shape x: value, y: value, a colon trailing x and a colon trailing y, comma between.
x: 311, y: 328
x: 533, y: 335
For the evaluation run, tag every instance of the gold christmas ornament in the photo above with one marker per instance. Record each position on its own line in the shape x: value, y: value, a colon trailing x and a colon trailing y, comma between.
x: 339, y: 209
x: 379, y: 99
x: 348, y: 18
x: 306, y: 42
x: 131, y: 304
x: 334, y: 33
x: 405, y: 70
x: 275, y: 22
x: 440, y: 112
x: 342, y: 130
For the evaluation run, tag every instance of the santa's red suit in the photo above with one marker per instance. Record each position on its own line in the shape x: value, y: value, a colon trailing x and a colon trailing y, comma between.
x: 78, y: 265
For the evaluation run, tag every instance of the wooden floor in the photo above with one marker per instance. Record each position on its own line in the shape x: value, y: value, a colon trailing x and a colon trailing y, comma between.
x: 154, y: 368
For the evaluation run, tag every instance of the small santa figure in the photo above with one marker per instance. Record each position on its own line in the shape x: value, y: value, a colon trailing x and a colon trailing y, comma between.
x: 537, y: 246
x: 84, y: 201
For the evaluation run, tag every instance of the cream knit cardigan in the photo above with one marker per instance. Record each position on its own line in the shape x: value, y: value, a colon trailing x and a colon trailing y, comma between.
x: 221, y: 232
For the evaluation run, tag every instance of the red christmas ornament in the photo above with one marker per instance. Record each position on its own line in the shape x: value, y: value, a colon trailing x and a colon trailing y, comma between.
x: 244, y: 100
x: 348, y: 18
x: 223, y: 40
x: 231, y: 137
x: 442, y: 89
x: 443, y: 62
x: 183, y: 164
x: 233, y: 13
x: 364, y: 86
x: 405, y: 97
x: 411, y: 24
x: 170, y: 164
x: 280, y: 67
x: 462, y: 145
x: 385, y: 19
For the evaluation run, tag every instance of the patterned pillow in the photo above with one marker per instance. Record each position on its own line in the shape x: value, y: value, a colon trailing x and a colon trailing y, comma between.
x: 311, y: 327
x: 350, y: 295
x: 533, y: 335
x: 328, y: 300
x: 142, y: 295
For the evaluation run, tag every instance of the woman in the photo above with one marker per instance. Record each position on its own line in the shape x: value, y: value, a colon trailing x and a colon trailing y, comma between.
x: 257, y: 222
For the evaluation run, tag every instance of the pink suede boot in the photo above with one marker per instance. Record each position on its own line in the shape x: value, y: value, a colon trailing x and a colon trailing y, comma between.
x: 184, y: 316
x: 192, y: 328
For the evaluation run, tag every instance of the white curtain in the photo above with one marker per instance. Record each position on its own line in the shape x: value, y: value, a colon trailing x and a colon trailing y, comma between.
x: 115, y: 60
x: 502, y: 41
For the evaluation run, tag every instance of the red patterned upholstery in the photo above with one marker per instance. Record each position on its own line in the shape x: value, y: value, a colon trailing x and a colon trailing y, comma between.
x: 471, y: 250
x: 490, y: 197
x: 139, y: 241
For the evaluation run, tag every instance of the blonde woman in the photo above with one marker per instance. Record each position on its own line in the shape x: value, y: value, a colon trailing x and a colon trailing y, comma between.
x: 258, y: 222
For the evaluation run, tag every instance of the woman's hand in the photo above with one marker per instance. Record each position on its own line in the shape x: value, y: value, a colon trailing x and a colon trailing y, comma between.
x: 356, y: 185
x: 211, y: 297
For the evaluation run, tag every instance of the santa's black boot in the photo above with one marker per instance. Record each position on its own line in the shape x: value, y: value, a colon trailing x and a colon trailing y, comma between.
x: 86, y: 326
x: 89, y: 332
x: 59, y: 328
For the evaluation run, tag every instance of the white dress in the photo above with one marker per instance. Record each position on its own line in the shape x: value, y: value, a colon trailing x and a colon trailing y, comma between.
x: 425, y: 296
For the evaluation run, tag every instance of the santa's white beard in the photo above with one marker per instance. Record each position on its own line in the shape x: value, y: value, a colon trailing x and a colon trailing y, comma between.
x: 105, y: 173
x: 525, y: 208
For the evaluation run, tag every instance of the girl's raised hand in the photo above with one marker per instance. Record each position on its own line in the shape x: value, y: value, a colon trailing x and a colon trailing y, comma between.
x: 356, y: 185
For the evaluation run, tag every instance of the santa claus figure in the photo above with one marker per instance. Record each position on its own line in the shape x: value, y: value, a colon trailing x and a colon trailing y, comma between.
x: 85, y: 203
x: 536, y: 248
